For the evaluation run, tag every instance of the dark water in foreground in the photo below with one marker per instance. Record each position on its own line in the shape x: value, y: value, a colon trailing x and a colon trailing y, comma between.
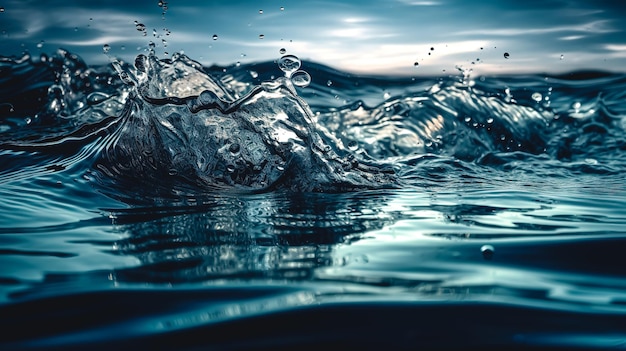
x: 177, y: 209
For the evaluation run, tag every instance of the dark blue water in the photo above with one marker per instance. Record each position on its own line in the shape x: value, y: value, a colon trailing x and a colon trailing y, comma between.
x: 158, y: 202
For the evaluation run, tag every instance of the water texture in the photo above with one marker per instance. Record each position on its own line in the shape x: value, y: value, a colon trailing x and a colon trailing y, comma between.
x: 166, y: 204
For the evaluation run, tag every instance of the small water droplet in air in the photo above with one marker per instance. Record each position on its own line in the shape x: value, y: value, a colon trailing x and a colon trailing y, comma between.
x: 468, y: 119
x: 1, y: 9
x: 40, y: 44
x: 561, y: 57
x: 75, y: 29
x: 253, y: 74
x: 140, y: 26
x: 416, y: 64
x: 329, y: 82
x: 282, y: 51
x: 431, y: 49
x: 289, y: 64
x: 106, y: 48
x: 536, y: 96
x: 214, y: 36
x: 301, y: 79
x: 260, y: 12
x: 282, y: 8
x: 487, y: 251
x: 261, y: 36
x: 506, y: 55
x: 489, y: 120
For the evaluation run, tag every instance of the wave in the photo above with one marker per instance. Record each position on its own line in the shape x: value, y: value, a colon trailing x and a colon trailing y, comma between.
x: 183, y: 128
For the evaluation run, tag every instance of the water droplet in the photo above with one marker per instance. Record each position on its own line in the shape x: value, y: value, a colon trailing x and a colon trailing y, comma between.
x: 1, y: 9
x: 536, y: 96
x: 301, y: 79
x: 40, y: 44
x: 140, y: 26
x: 386, y: 95
x: 289, y: 64
x: 260, y: 12
x: 487, y: 251
x: 282, y: 8
x: 489, y: 120
x: 329, y: 82
x: 214, y: 36
x: 576, y: 106
x: 431, y: 49
x: 416, y: 64
x: 253, y: 74
x: 261, y: 36
x: 561, y: 57
x: 282, y: 51
x: 106, y: 48
x: 506, y: 55
x: 468, y: 119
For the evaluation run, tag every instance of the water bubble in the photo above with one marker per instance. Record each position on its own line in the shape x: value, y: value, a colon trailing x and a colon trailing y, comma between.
x: 506, y: 55
x: 106, y: 48
x: 214, y: 36
x: 261, y: 36
x: 301, y: 79
x: 536, y: 96
x: 289, y: 64
x: 282, y: 51
x: 487, y: 251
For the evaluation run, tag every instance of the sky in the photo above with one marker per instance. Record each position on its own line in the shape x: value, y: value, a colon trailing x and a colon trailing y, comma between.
x: 394, y: 37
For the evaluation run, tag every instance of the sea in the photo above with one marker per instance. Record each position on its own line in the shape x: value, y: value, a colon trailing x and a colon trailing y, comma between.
x: 167, y: 204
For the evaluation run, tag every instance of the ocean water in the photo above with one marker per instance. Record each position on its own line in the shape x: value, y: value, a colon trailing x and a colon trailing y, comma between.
x: 159, y: 202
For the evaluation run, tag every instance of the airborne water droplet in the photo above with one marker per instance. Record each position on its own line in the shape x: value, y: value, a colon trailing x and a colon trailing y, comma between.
x: 561, y: 57
x: 106, y: 48
x: 214, y: 36
x: 536, y: 96
x: 260, y: 12
x: 282, y: 51
x: 487, y: 251
x: 1, y: 9
x: 301, y: 79
x: 416, y: 64
x: 261, y: 36
x: 289, y: 64
x: 506, y: 55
